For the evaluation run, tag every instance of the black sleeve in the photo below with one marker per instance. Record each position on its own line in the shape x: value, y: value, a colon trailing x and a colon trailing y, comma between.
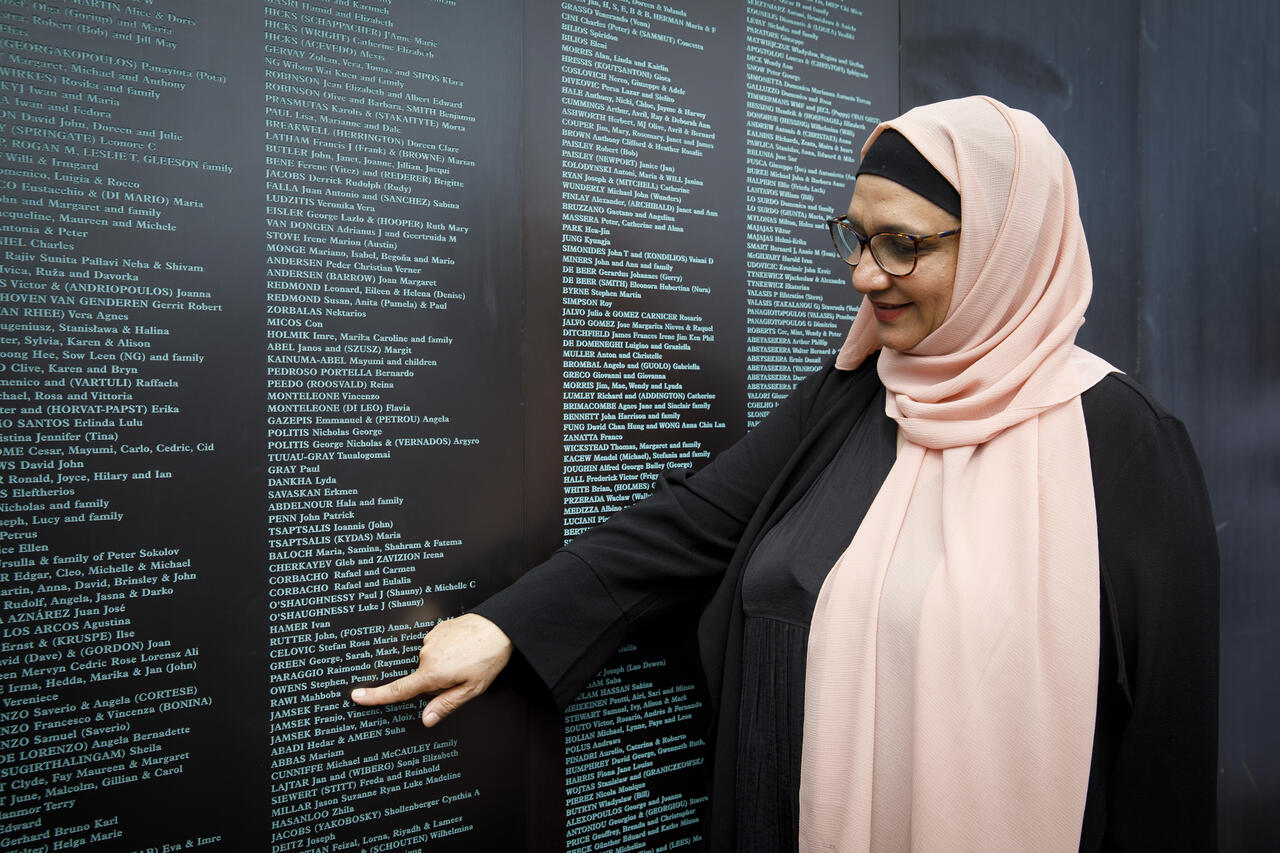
x: 569, y: 614
x: 1160, y: 560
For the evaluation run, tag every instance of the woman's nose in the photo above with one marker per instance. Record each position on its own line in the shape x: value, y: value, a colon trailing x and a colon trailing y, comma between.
x: 868, y: 277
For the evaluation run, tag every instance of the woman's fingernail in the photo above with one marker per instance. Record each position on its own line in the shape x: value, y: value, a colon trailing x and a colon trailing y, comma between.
x: 357, y: 694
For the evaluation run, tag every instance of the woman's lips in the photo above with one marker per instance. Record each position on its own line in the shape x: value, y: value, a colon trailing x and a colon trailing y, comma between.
x: 886, y: 313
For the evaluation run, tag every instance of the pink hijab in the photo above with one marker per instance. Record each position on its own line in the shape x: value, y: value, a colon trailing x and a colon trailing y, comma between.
x: 951, y: 684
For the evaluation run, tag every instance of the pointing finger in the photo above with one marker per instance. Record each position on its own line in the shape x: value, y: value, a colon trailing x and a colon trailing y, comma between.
x: 400, y: 690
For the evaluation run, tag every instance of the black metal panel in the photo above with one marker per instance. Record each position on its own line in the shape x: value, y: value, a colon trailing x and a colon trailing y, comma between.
x: 1209, y: 343
x: 1168, y: 113
x: 679, y: 165
x: 261, y: 402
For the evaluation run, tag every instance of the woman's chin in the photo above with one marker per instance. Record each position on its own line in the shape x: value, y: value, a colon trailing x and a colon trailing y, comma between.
x: 896, y: 337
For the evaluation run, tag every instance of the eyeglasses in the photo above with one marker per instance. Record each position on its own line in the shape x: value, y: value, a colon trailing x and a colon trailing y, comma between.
x: 895, y: 253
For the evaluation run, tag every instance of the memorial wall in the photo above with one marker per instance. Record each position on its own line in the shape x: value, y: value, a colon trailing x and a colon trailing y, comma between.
x: 321, y: 320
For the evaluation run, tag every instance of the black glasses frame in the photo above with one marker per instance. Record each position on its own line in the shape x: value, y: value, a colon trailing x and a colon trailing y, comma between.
x: 840, y: 225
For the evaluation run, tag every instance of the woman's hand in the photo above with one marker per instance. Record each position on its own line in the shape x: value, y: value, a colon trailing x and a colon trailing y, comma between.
x: 460, y: 658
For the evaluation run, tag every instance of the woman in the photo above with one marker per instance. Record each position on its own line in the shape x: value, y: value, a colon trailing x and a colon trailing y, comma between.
x: 997, y: 551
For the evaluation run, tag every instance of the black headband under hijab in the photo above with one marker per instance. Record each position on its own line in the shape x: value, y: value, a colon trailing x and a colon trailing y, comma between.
x: 892, y: 156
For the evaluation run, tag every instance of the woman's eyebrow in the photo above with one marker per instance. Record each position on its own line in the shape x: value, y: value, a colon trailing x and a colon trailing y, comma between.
x: 891, y: 227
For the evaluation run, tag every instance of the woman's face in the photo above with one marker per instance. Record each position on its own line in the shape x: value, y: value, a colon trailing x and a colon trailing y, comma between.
x: 907, y: 308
